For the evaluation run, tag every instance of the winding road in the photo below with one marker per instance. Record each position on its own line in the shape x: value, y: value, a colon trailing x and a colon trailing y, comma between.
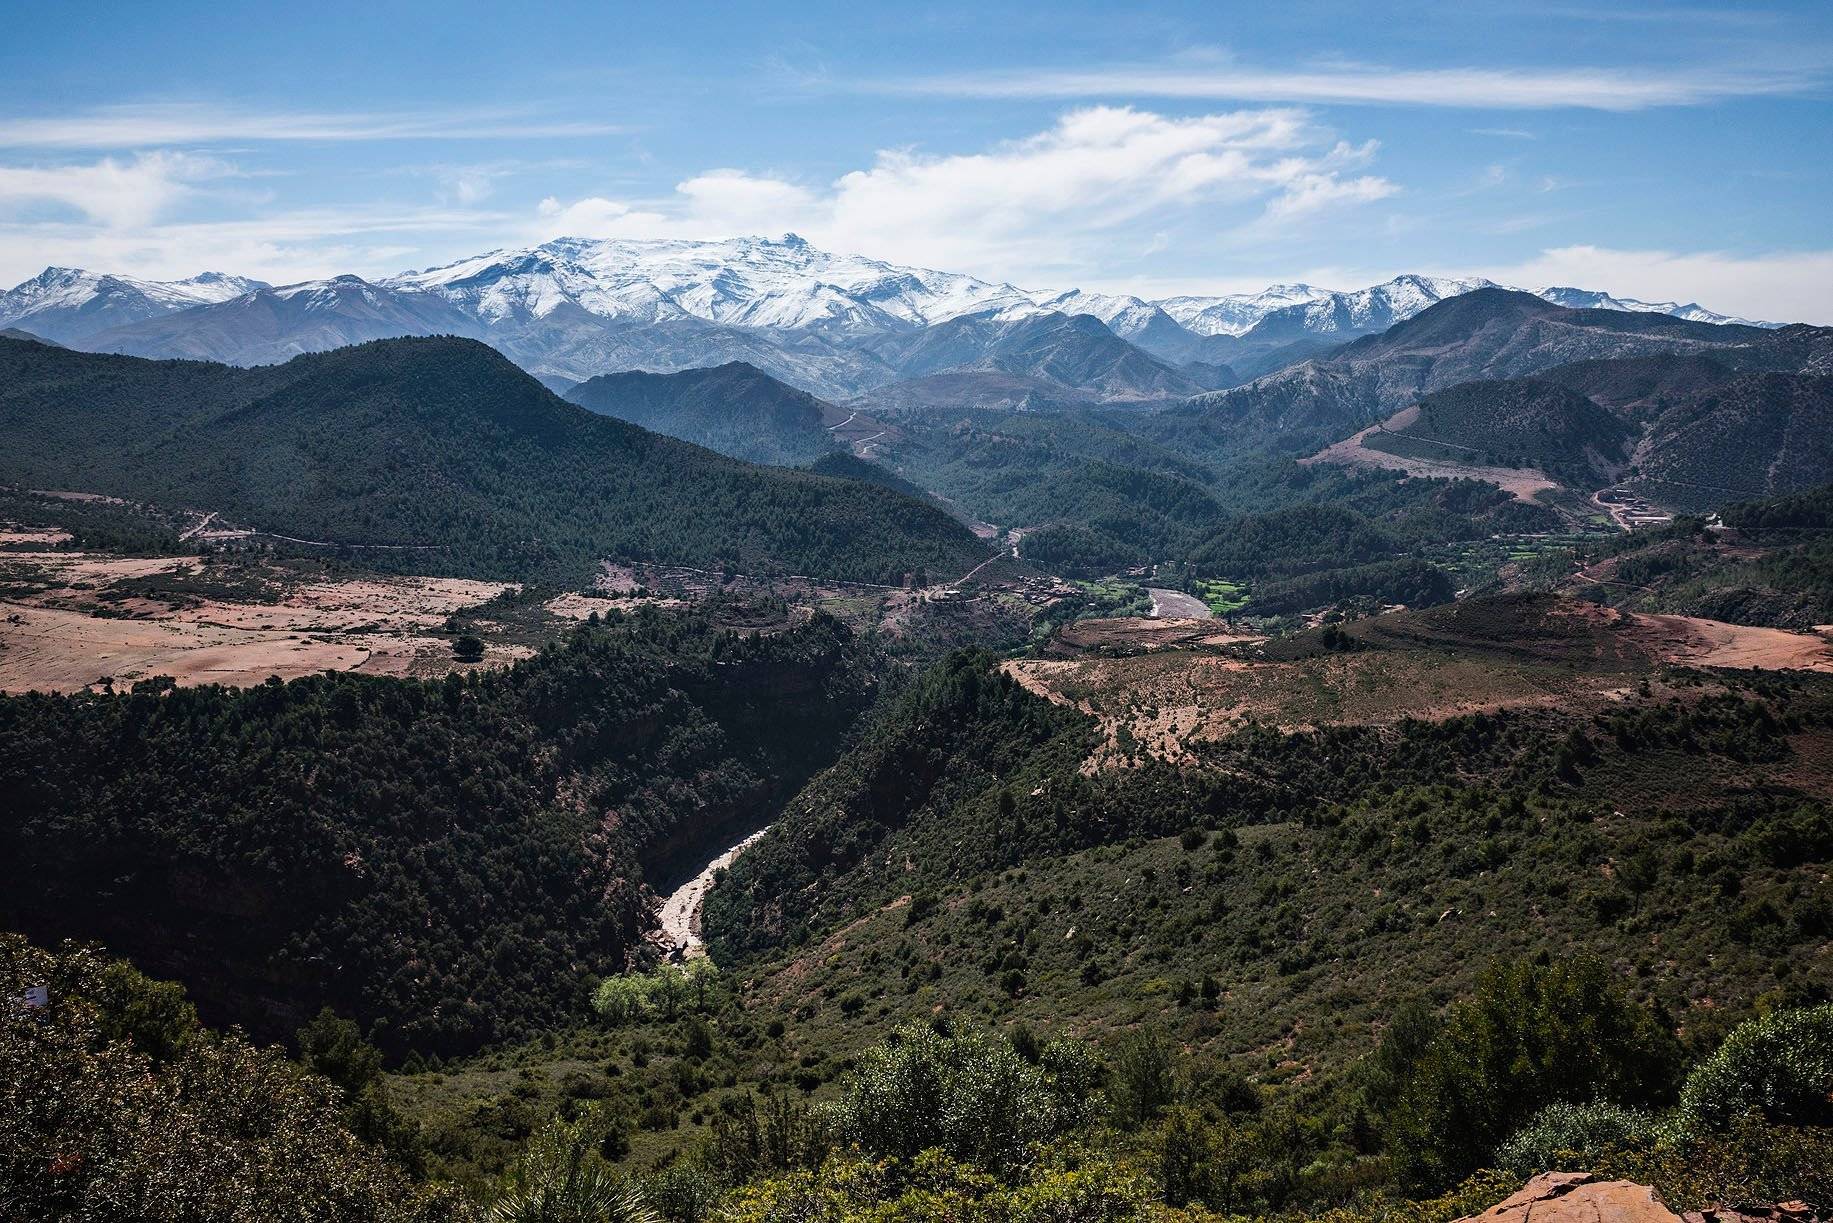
x: 680, y: 915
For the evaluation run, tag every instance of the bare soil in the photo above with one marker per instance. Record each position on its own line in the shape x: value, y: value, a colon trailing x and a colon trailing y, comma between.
x: 73, y: 620
x: 1522, y: 483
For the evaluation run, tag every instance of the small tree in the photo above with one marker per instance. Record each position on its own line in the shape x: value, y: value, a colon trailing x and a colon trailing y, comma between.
x: 1533, y: 1035
x: 1780, y: 1065
x: 1144, y: 1083
x: 468, y: 648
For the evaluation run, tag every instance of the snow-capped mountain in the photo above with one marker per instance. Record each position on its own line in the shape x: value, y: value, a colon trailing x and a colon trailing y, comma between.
x: 838, y: 325
x: 69, y: 304
x: 1237, y: 313
x: 1586, y: 299
x: 784, y: 284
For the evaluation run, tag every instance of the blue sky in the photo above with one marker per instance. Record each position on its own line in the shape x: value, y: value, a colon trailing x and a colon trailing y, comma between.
x: 1661, y: 151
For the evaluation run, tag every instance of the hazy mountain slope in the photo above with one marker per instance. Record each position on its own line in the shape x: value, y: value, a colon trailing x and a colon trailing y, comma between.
x: 69, y: 304
x: 1488, y: 334
x: 439, y: 455
x: 272, y: 325
x: 736, y: 409
x: 1069, y: 357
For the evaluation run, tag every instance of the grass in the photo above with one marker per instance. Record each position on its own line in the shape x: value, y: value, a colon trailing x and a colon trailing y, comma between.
x: 1223, y: 596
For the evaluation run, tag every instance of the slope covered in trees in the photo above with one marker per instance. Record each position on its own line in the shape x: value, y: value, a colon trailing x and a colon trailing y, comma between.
x: 438, y: 455
x: 449, y: 860
x: 735, y: 408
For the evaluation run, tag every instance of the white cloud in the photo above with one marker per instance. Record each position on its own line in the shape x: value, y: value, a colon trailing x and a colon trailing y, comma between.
x: 112, y: 192
x: 1782, y: 286
x: 1612, y: 89
x: 280, y: 248
x: 169, y: 123
x: 1025, y: 209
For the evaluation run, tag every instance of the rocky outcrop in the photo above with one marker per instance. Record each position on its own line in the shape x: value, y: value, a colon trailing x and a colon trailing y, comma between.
x: 1579, y: 1197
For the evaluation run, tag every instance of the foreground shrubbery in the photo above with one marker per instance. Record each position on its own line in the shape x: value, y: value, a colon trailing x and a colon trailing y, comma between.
x: 115, y: 1104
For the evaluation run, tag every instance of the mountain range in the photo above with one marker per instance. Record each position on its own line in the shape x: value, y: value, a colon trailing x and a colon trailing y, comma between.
x: 841, y: 326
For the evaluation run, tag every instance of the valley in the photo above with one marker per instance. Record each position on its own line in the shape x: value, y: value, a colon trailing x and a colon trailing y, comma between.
x: 1190, y: 711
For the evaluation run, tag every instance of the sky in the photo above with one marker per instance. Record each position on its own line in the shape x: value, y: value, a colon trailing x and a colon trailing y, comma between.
x: 1663, y: 151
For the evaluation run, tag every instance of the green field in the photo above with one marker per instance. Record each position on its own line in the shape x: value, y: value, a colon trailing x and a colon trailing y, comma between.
x: 1223, y: 596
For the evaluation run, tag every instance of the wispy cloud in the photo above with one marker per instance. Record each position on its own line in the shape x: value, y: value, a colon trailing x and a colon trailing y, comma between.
x: 1026, y: 209
x: 1612, y: 89
x: 117, y: 193
x: 178, y: 123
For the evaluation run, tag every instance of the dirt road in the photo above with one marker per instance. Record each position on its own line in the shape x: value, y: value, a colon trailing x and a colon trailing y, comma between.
x: 680, y: 915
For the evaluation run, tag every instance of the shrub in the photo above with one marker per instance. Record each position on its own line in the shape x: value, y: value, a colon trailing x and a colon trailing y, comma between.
x: 1533, y: 1035
x: 93, y: 1127
x: 972, y: 1097
x: 1780, y: 1065
x: 561, y: 1176
x: 1583, y: 1130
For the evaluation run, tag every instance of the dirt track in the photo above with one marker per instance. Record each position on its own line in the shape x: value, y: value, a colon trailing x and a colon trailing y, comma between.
x: 1522, y: 483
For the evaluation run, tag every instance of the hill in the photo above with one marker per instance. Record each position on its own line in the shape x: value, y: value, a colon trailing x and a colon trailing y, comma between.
x: 1486, y: 335
x: 735, y: 408
x: 1517, y: 423
x: 1754, y: 436
x: 443, y: 860
x: 438, y: 455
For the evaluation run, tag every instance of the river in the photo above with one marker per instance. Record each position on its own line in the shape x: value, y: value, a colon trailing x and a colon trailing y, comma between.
x: 680, y: 915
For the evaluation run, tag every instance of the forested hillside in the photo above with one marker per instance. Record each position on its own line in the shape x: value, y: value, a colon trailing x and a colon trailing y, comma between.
x: 439, y: 456
x: 735, y: 408
x: 450, y: 862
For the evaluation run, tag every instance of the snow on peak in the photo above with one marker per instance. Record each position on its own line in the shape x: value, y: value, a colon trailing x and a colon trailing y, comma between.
x: 58, y: 288
x: 753, y: 282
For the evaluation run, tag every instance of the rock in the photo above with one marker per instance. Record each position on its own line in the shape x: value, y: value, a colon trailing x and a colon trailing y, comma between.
x: 1781, y: 1212
x: 1579, y: 1197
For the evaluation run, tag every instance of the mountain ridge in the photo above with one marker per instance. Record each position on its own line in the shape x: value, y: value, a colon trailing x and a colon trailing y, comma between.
x: 573, y: 308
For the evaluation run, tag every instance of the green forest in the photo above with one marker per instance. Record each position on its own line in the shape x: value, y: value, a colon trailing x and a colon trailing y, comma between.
x: 439, y: 456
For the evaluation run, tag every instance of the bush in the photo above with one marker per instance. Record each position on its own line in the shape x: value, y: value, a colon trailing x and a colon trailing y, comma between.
x: 1779, y: 1065
x: 1583, y: 1130
x: 93, y: 1127
x: 561, y: 1176
x: 972, y: 1097
x: 1532, y: 1036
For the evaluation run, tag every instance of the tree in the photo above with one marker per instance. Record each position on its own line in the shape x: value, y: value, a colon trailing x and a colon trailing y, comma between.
x: 1532, y: 1035
x: 94, y: 1127
x: 1780, y: 1065
x: 468, y: 648
x: 1144, y: 1083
